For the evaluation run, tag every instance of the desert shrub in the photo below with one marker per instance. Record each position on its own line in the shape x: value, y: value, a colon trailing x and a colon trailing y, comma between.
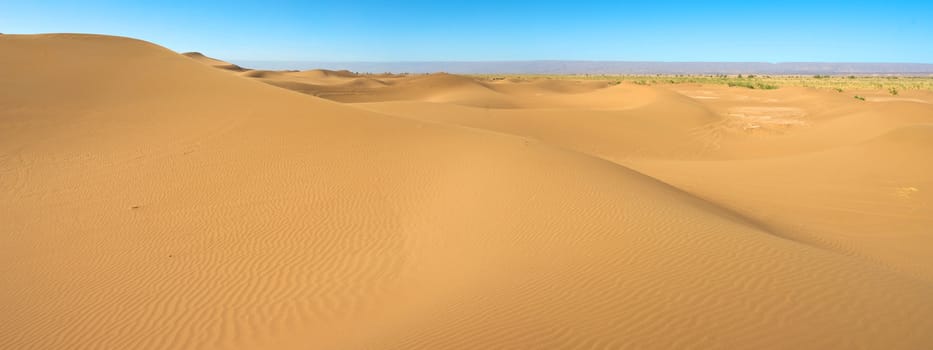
x: 893, y: 91
x: 751, y: 85
x: 846, y: 82
x: 857, y: 97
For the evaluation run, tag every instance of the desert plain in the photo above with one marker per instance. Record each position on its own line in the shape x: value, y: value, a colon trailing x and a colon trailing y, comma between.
x: 157, y: 200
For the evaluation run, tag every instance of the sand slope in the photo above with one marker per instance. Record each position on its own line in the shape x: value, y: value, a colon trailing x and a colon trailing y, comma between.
x: 152, y: 201
x: 197, y: 56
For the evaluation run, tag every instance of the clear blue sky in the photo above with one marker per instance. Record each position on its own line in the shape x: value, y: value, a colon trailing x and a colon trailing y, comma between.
x: 769, y: 31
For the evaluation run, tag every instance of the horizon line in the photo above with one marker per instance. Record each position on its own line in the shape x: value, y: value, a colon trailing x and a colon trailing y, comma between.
x: 560, y: 60
x: 597, y: 67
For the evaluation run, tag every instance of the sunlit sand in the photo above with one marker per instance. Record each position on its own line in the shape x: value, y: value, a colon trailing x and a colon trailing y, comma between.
x: 157, y: 200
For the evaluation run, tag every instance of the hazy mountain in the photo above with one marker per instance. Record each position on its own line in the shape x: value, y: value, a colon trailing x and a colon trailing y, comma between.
x: 604, y: 67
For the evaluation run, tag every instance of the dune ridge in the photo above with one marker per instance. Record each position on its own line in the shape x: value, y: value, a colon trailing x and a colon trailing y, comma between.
x: 154, y: 201
x: 214, y: 62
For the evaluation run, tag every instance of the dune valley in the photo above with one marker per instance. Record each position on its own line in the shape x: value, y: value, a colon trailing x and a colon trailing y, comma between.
x: 153, y: 199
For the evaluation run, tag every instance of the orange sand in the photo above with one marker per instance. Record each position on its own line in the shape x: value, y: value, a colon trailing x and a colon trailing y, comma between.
x: 150, y: 200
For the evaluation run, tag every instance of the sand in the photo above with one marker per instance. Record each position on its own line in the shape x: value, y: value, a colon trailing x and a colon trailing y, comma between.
x: 151, y: 200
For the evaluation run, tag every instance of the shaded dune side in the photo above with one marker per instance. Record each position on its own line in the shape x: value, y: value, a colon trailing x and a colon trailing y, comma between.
x: 321, y: 80
x: 647, y: 122
x: 200, y: 57
x: 880, y: 208
x: 325, y: 73
x: 345, y: 86
x: 205, y: 210
x: 795, y: 121
x: 437, y: 88
x: 549, y: 85
x: 325, y: 91
x: 466, y: 91
x: 912, y: 139
x: 854, y: 181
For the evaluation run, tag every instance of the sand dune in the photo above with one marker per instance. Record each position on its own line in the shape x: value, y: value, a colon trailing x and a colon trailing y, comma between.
x: 214, y: 62
x: 153, y: 201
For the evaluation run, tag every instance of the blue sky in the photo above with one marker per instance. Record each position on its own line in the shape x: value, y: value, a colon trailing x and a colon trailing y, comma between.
x: 768, y: 31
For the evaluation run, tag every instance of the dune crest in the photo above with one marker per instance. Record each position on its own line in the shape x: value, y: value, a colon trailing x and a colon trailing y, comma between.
x: 197, y: 56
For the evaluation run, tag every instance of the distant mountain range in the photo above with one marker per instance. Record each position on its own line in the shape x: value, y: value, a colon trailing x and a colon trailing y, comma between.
x: 604, y: 67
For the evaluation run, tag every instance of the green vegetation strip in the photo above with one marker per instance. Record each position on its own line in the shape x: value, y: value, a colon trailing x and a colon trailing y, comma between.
x: 893, y: 84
